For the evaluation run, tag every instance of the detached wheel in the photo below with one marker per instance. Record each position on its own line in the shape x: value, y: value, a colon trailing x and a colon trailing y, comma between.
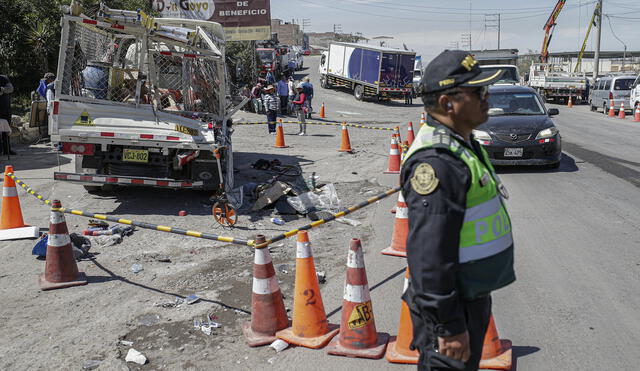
x: 224, y: 214
x: 358, y: 92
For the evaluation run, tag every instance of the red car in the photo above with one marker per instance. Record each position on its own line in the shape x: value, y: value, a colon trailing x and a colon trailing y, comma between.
x: 306, y: 52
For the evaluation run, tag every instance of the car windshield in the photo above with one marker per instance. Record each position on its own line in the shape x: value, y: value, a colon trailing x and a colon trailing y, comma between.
x: 508, y: 75
x: 514, y: 104
x: 417, y: 74
x: 265, y: 55
x: 623, y: 84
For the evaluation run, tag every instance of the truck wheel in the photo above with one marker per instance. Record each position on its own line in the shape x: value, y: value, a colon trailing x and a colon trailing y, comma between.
x: 358, y: 92
x: 592, y: 107
x: 604, y: 108
x: 324, y: 82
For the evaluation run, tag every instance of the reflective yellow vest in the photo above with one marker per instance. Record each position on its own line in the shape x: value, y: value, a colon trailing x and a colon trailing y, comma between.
x: 486, y: 243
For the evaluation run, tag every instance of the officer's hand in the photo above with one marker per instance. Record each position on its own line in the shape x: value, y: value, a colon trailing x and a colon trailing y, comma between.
x: 455, y: 347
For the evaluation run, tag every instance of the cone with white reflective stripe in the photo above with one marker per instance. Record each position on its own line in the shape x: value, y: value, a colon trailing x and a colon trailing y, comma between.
x: 496, y: 352
x: 612, y: 112
x: 636, y: 116
x: 410, y: 134
x: 310, y: 327
x: 60, y: 270
x: 268, y: 314
x: 11, y: 222
x: 394, y: 157
x: 398, y: 245
x: 423, y: 119
x: 357, y: 336
x: 621, y: 114
x: 398, y: 350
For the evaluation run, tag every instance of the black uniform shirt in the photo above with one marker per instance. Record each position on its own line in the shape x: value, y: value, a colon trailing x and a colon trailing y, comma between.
x: 435, y: 221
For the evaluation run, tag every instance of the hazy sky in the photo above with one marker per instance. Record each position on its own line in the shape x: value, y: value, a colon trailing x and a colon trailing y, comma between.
x: 428, y: 26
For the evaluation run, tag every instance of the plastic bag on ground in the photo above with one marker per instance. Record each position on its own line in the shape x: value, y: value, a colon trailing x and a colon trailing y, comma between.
x: 326, y: 199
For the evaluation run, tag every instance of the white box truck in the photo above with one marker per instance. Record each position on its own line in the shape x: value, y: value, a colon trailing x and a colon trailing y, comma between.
x: 370, y: 71
x: 143, y: 101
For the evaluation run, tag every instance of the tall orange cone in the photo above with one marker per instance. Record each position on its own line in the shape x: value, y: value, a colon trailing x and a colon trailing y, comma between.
x: 410, y: 135
x: 11, y: 222
x: 398, y: 350
x: 394, y: 157
x: 60, y: 269
x: 636, y: 117
x: 570, y: 102
x: 322, y: 111
x: 280, y: 136
x: 310, y: 327
x: 621, y: 114
x: 345, y: 145
x: 268, y: 314
x: 398, y: 245
x: 357, y: 336
x: 496, y: 352
x: 612, y: 112
x: 423, y: 119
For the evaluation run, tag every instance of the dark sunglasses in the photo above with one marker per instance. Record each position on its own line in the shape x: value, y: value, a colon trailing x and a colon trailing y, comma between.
x: 480, y: 92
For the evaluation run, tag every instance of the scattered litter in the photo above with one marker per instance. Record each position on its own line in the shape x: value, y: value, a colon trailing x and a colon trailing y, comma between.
x: 126, y: 343
x: 275, y: 246
x: 267, y: 193
x: 284, y: 268
x: 325, y: 199
x: 206, y: 329
x: 279, y: 345
x: 192, y: 298
x: 284, y: 208
x: 277, y: 221
x: 148, y: 319
x: 348, y: 221
x: 244, y: 273
x: 182, y: 213
x: 271, y: 360
x: 95, y: 223
x: 106, y: 241
x: 322, y: 276
x: 136, y: 268
x: 91, y: 364
x: 80, y: 245
x: 136, y: 357
x: 163, y: 259
x: 311, y: 182
x: 196, y: 323
x: 317, y: 215
x: 178, y: 302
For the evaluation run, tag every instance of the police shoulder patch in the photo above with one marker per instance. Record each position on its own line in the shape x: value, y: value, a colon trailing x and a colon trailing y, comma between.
x: 424, y: 180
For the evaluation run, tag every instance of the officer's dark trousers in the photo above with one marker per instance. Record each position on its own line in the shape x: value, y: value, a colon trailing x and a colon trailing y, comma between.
x: 477, y: 313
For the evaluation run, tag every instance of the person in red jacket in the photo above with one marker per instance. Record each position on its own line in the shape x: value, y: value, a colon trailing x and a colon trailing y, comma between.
x: 300, y: 109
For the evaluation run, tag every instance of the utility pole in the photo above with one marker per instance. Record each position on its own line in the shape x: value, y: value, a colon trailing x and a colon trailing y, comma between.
x: 465, y: 40
x: 306, y: 22
x: 596, y: 54
x: 492, y: 22
x: 337, y: 28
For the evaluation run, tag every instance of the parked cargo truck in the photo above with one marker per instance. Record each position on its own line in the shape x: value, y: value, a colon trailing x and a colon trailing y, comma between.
x: 554, y: 84
x: 143, y: 101
x: 370, y: 72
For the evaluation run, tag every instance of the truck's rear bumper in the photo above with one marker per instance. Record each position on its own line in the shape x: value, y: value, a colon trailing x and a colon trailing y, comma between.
x: 126, y: 180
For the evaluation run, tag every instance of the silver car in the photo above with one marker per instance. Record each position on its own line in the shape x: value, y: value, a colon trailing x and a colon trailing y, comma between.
x: 611, y: 88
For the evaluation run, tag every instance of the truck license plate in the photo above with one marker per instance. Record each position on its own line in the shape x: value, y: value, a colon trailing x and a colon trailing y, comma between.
x: 135, y: 155
x: 513, y: 152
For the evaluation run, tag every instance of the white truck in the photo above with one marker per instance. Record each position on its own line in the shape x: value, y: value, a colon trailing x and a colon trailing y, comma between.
x: 370, y: 71
x: 143, y: 101
x: 552, y: 83
x: 500, y: 59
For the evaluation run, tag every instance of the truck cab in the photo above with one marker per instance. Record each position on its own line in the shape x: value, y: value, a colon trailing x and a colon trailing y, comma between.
x: 510, y: 76
x: 269, y: 59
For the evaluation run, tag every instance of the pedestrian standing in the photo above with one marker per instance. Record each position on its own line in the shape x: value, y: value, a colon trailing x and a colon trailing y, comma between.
x: 300, y: 108
x: 44, y: 83
x: 283, y: 93
x: 292, y: 93
x: 256, y: 98
x: 269, y: 78
x: 246, y: 93
x: 271, y: 107
x: 459, y: 246
x: 408, y: 97
x: 6, y: 88
x: 308, y: 92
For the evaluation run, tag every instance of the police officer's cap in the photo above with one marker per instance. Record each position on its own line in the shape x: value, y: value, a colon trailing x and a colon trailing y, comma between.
x: 454, y: 68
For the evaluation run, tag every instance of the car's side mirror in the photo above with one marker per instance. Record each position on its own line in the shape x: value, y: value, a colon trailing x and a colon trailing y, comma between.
x: 553, y: 111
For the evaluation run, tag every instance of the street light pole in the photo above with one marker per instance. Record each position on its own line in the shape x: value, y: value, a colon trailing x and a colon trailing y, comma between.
x: 596, y: 56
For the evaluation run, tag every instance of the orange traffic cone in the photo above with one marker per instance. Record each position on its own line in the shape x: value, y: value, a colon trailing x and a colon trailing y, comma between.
x: 410, y: 135
x: 11, y: 223
x: 423, y: 119
x: 570, y: 102
x: 310, y: 327
x: 268, y: 314
x: 636, y: 117
x: 322, y: 111
x: 280, y: 136
x: 621, y: 114
x: 60, y: 269
x: 358, y: 336
x: 398, y: 350
x: 345, y: 145
x: 398, y: 245
x: 394, y: 157
x: 496, y: 352
x: 611, y: 109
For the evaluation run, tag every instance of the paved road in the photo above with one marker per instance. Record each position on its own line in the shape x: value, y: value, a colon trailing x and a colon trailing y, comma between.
x: 575, y: 303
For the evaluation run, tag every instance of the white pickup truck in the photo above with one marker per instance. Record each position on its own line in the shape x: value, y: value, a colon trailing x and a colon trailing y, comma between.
x: 143, y: 101
x: 554, y: 84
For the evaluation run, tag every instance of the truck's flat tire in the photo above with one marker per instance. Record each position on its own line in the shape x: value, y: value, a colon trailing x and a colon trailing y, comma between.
x: 358, y: 92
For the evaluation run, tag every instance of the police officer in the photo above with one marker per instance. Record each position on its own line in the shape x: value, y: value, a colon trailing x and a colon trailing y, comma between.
x: 459, y: 246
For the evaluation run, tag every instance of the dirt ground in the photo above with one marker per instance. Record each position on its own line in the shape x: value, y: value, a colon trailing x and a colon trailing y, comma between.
x: 70, y: 328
